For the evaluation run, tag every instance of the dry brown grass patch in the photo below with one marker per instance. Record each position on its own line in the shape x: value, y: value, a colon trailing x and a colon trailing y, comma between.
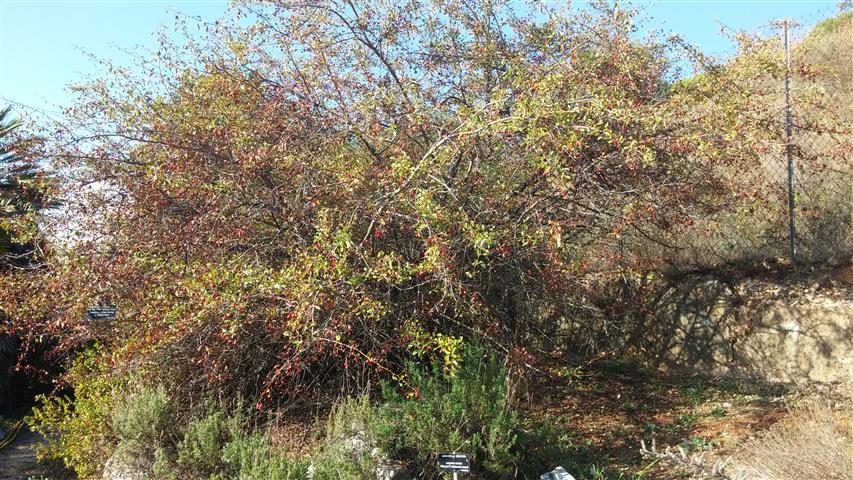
x: 813, y: 442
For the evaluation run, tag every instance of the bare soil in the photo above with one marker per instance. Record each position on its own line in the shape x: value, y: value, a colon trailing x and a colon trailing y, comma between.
x: 610, y: 407
x: 18, y: 460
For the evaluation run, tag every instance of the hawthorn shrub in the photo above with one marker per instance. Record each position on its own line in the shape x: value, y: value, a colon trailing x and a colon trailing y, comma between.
x: 301, y: 199
x: 26, y: 192
x: 307, y: 196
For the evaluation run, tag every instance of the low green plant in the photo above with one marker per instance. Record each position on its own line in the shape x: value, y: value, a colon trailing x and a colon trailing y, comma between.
x: 697, y: 444
x: 351, y: 447
x: 718, y: 411
x: 216, y: 444
x: 469, y: 411
x: 201, y: 447
x: 141, y: 423
x: 251, y: 457
x: 163, y: 468
x: 615, y: 367
x: 728, y: 386
x: 225, y: 446
x: 695, y: 394
x: 575, y: 372
x: 546, y: 445
x: 596, y: 473
x: 685, y: 422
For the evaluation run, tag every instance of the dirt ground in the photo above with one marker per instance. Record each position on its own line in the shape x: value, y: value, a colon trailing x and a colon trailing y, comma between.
x: 18, y: 460
x: 607, y: 409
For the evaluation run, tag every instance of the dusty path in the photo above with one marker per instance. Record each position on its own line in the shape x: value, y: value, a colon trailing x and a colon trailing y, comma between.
x: 18, y: 460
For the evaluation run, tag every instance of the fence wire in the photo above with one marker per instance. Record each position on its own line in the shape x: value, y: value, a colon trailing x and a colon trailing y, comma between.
x: 812, y: 127
x: 822, y: 103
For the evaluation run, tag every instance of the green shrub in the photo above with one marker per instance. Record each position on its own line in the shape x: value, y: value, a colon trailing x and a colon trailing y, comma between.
x: 140, y: 423
x: 546, y: 445
x: 77, y: 430
x: 250, y: 457
x: 467, y: 412
x: 142, y: 429
x: 201, y: 447
x: 224, y: 446
x: 347, y: 452
x: 163, y: 469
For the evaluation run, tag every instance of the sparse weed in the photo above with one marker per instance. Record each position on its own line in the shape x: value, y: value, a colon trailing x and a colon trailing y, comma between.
x: 697, y: 444
x: 718, y: 411
x: 695, y: 394
x: 684, y: 423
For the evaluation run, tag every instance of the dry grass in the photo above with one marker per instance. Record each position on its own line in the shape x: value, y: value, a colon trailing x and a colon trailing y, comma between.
x: 813, y: 442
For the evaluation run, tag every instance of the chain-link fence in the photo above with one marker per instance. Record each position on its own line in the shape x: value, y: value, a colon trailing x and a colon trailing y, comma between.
x: 821, y: 86
x: 791, y: 200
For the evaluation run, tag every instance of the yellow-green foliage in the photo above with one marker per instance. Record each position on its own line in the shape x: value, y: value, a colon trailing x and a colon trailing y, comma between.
x: 78, y: 430
x: 833, y: 25
x: 446, y: 350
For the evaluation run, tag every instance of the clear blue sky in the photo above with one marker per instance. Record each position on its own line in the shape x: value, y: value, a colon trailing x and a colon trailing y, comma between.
x: 41, y: 40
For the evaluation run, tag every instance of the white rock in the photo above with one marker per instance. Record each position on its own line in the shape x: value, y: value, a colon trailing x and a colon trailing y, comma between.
x: 558, y: 473
x: 114, y: 469
x: 390, y: 471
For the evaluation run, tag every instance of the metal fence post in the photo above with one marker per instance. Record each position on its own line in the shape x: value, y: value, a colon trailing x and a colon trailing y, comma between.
x: 789, y: 148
